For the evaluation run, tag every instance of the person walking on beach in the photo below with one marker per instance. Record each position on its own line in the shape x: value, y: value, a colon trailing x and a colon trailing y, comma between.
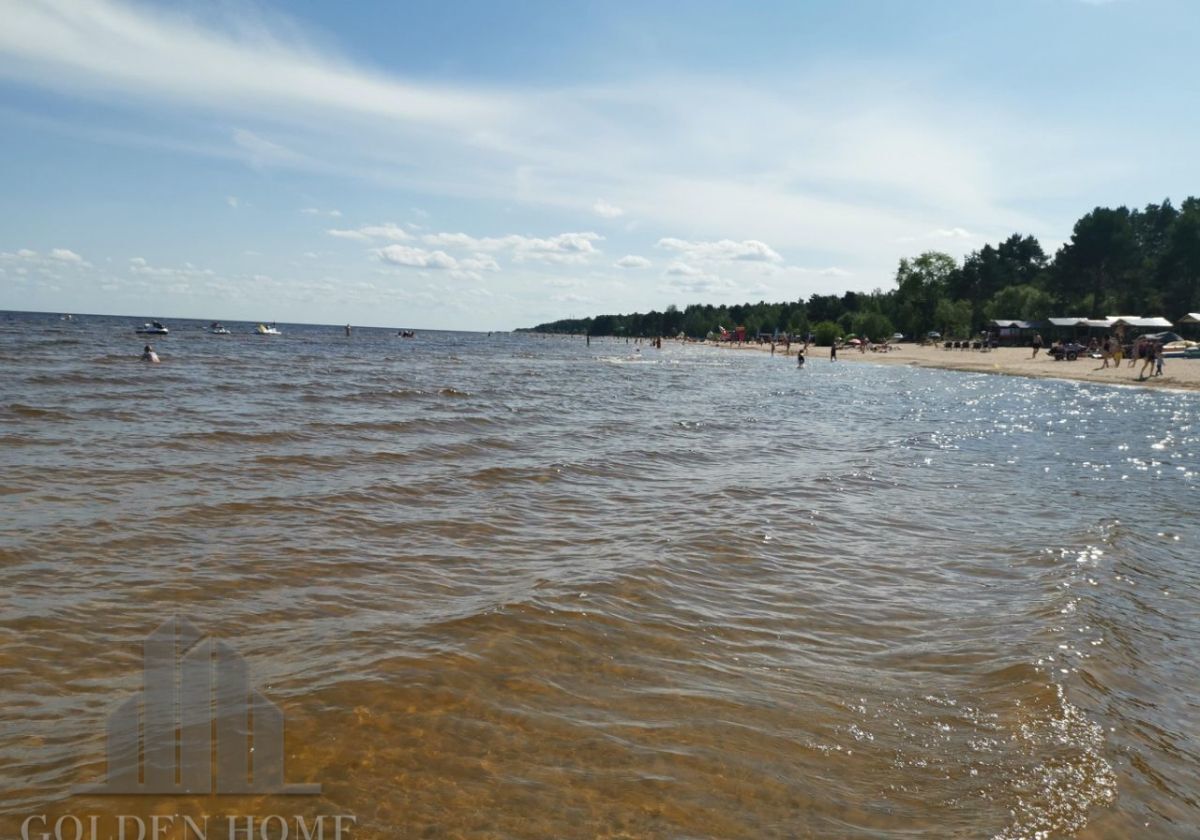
x: 1037, y: 344
x: 1147, y: 360
x: 1106, y: 351
x: 1158, y: 359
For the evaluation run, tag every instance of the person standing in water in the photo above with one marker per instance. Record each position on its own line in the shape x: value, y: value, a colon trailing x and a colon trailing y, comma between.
x: 148, y: 355
x: 833, y: 352
x: 799, y: 358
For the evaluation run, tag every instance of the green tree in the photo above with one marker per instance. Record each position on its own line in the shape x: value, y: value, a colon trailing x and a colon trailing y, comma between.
x: 1023, y: 303
x: 920, y: 284
x: 826, y: 332
x: 873, y: 325
x: 953, y: 318
x: 1101, y: 254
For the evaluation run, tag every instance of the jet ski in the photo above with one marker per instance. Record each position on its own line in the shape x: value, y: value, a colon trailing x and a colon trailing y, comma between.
x: 263, y: 329
x: 153, y: 328
x: 217, y: 329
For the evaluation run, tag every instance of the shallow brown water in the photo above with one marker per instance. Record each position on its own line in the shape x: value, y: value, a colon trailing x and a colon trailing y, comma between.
x: 512, y: 586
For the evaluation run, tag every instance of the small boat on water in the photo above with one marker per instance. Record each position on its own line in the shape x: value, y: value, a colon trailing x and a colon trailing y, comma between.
x: 153, y: 328
x: 218, y: 329
x: 263, y: 329
x: 406, y: 334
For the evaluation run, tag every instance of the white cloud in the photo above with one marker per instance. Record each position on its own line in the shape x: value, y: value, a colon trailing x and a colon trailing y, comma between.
x: 46, y: 264
x: 233, y: 201
x: 187, y: 271
x: 952, y: 233
x: 108, y: 45
x: 838, y: 160
x: 701, y: 283
x: 369, y: 232
x: 316, y: 211
x: 65, y: 255
x: 608, y: 211
x: 632, y: 261
x: 410, y: 257
x: 750, y: 250
x: 349, y: 234
x: 679, y: 269
x: 562, y: 248
x: 479, y: 262
x: 416, y: 257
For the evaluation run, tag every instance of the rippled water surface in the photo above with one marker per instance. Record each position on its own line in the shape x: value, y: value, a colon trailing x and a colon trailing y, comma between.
x: 510, y: 586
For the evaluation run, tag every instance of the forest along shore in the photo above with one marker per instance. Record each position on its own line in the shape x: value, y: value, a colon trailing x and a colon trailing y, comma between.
x: 1014, y: 361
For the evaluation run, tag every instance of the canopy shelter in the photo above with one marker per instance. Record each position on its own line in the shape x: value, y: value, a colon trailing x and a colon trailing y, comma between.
x: 1014, y: 331
x: 1190, y: 318
x: 1143, y: 323
x: 1166, y: 337
x: 1068, y: 327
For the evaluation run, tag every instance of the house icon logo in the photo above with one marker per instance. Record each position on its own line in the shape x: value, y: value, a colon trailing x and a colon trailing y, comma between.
x: 197, y: 726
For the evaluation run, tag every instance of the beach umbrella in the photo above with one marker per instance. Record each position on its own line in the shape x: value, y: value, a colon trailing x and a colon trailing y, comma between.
x: 855, y: 341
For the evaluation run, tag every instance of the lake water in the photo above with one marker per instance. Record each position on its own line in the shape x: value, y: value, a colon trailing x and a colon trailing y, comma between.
x: 514, y: 586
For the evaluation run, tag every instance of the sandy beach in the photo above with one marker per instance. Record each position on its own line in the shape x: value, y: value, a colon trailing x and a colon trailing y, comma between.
x: 1013, y: 361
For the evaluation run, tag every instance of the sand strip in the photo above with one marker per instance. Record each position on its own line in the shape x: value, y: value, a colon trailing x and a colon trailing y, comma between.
x: 1013, y: 361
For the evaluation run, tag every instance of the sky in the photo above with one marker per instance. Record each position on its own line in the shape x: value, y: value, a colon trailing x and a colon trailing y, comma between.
x: 491, y: 165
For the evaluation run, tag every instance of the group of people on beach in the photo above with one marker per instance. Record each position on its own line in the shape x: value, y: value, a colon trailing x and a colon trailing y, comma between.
x: 1110, y: 350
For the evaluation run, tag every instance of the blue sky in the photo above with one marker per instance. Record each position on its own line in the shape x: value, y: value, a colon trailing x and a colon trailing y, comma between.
x: 492, y: 165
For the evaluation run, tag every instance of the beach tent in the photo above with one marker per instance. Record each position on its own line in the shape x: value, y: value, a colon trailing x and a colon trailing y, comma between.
x: 1142, y: 323
x: 1013, y: 332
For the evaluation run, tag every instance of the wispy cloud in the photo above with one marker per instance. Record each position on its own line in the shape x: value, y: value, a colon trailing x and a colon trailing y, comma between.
x: 839, y: 166
x: 366, y: 233
x: 105, y: 46
x: 605, y: 210
x: 750, y: 250
x: 632, y: 261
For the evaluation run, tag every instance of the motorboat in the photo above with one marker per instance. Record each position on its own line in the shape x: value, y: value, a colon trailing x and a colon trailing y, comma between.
x: 263, y: 329
x: 406, y: 334
x: 152, y: 328
x: 217, y: 329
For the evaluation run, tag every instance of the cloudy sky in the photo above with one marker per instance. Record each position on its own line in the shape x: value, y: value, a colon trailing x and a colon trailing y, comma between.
x: 488, y: 165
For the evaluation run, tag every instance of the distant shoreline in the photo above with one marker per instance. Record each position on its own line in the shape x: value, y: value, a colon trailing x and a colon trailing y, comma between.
x: 1178, y: 374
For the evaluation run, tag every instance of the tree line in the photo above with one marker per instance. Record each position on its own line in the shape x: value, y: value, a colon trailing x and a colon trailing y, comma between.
x: 1118, y: 261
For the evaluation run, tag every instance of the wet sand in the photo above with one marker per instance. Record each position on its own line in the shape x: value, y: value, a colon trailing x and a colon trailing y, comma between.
x: 1014, y: 361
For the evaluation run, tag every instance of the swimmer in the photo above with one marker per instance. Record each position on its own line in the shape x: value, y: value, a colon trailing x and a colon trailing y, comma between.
x: 148, y: 355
